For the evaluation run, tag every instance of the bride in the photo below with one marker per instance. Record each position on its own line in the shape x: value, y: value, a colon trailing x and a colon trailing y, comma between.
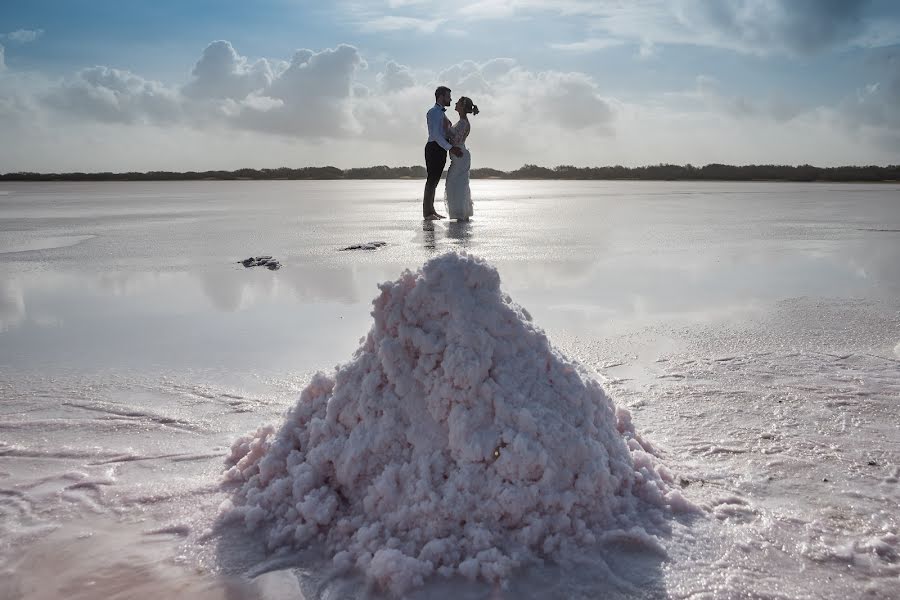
x: 457, y: 195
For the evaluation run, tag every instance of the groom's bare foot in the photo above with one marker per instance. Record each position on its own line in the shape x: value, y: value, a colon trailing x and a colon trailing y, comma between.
x: 439, y: 216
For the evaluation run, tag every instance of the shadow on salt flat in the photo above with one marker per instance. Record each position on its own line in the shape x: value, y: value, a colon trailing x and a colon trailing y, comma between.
x: 624, y: 568
x: 621, y: 569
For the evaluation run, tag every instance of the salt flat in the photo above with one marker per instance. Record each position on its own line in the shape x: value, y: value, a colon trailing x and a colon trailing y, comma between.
x: 751, y: 329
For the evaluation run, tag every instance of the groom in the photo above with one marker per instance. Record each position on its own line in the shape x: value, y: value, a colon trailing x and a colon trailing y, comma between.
x: 436, y: 150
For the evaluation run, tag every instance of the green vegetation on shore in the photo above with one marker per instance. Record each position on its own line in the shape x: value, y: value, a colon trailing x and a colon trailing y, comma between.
x: 661, y: 172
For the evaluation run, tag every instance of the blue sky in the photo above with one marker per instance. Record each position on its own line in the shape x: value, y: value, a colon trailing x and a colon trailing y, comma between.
x: 103, y: 84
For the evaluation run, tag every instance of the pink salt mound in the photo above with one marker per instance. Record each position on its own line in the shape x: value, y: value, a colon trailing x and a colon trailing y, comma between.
x: 457, y: 440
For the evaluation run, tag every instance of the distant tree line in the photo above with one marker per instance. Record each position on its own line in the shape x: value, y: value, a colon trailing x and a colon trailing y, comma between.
x: 661, y: 172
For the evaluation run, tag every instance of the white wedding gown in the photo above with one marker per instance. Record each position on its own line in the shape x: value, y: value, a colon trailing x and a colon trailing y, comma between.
x: 457, y: 195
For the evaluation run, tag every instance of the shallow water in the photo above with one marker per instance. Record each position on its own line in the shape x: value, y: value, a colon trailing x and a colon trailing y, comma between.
x: 753, y: 330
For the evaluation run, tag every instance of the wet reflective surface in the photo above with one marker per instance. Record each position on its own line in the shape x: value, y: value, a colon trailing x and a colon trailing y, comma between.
x: 147, y: 274
x: 752, y: 328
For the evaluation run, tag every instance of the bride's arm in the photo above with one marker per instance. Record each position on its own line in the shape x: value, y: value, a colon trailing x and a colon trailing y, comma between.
x: 453, y: 138
x: 453, y: 135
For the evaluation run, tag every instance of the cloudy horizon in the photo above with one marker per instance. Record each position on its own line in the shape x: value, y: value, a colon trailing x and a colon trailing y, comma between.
x: 95, y: 86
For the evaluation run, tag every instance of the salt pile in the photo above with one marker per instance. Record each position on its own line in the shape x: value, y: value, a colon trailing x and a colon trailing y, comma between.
x: 456, y: 441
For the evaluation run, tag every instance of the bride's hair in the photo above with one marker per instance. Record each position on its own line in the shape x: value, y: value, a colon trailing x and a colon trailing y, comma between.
x: 469, y: 106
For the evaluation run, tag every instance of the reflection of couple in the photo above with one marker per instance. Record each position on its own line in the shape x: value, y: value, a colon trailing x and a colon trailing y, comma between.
x: 444, y: 137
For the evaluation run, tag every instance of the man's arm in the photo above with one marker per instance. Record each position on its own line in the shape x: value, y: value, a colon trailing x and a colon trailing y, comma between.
x: 436, y: 129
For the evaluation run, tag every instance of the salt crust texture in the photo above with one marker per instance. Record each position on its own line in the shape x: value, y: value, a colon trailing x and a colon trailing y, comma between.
x: 456, y: 441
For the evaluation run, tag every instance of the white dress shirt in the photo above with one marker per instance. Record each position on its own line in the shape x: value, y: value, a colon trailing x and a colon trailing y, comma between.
x: 435, y: 119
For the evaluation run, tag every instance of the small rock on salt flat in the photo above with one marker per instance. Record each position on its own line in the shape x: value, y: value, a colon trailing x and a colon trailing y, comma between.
x: 366, y: 246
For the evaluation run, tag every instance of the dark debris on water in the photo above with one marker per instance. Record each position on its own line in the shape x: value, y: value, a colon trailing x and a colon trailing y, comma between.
x: 365, y: 246
x: 261, y: 261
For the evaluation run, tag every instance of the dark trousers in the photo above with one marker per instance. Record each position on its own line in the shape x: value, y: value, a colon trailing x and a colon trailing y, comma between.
x: 435, y: 159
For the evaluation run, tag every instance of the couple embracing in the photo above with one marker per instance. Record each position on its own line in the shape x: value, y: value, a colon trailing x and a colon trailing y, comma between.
x: 445, y: 137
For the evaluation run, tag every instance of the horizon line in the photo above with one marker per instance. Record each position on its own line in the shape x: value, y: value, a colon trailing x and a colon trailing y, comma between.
x: 527, y: 167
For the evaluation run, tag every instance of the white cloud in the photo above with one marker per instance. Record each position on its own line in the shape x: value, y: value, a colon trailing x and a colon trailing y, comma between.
x: 309, y: 97
x: 19, y: 111
x: 111, y: 95
x: 2, y: 58
x: 398, y: 23
x: 318, y: 109
x: 553, y: 100
x: 222, y: 73
x: 395, y: 77
x: 568, y: 100
x: 23, y: 36
x: 526, y: 116
x: 316, y: 93
x: 497, y: 67
x: 467, y: 77
x: 588, y: 45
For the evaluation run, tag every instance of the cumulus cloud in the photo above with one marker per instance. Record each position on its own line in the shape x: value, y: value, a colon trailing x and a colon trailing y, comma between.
x: 23, y: 36
x: 319, y: 95
x: 18, y: 110
x: 526, y: 116
x: 222, y: 73
x: 497, y: 67
x: 395, y: 77
x: 472, y: 77
x: 466, y: 76
x: 312, y: 97
x: 569, y: 100
x: 269, y: 108
x: 114, y: 96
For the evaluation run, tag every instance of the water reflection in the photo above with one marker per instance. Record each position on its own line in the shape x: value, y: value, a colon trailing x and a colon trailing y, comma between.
x: 579, y: 264
x: 230, y: 293
x: 307, y: 315
x: 428, y: 240
x: 12, y: 304
x: 460, y: 232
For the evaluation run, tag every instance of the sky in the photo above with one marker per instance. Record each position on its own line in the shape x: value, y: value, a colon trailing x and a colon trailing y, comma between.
x: 98, y: 85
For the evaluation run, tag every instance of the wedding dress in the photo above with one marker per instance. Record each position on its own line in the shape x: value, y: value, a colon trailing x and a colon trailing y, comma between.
x: 457, y: 195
